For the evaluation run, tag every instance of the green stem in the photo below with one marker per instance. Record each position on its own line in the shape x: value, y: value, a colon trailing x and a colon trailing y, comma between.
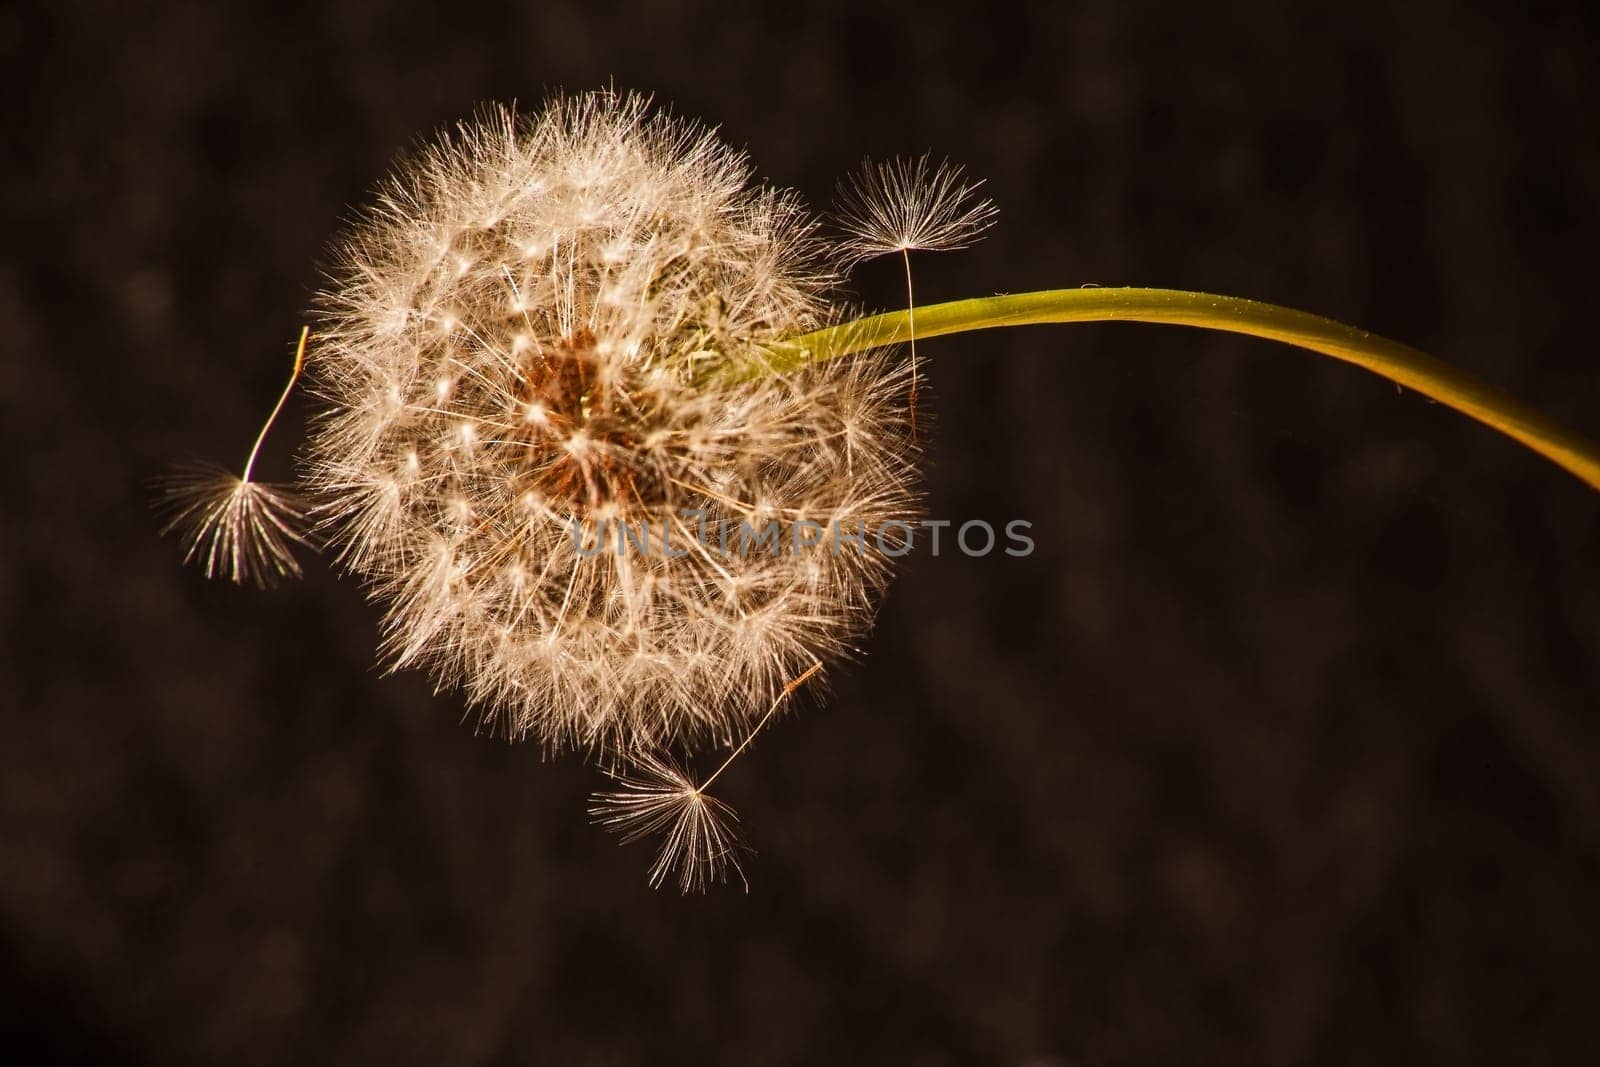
x: 1404, y: 365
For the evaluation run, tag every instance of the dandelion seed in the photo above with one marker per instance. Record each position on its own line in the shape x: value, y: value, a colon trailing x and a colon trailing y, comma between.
x: 657, y: 795
x: 232, y: 526
x: 909, y: 205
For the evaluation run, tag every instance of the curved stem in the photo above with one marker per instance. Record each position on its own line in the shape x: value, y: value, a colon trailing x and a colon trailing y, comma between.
x: 1404, y: 365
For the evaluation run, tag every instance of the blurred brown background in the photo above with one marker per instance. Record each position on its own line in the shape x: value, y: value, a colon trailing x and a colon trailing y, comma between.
x: 1282, y: 748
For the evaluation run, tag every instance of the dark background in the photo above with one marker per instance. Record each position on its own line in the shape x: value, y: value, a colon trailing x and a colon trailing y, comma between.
x: 1282, y: 748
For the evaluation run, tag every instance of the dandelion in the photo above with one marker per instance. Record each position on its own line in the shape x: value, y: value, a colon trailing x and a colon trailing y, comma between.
x: 555, y: 332
x: 556, y: 327
x: 233, y: 526
x: 904, y: 206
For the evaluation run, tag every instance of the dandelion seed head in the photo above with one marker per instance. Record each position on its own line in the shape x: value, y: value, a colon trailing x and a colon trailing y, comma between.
x: 532, y: 333
x: 908, y: 205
